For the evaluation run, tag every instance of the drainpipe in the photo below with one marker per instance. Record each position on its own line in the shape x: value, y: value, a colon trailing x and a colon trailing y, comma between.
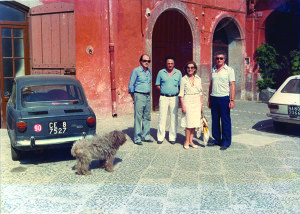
x: 142, y: 18
x: 112, y: 62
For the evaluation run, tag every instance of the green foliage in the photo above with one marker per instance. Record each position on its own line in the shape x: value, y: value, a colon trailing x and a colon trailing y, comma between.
x: 265, y: 83
x: 267, y: 59
x: 291, y: 63
x: 273, y: 68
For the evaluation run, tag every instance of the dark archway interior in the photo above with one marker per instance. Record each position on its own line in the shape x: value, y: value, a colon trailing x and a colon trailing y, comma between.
x: 283, y: 33
x: 220, y: 40
x: 172, y: 35
x: 283, y: 27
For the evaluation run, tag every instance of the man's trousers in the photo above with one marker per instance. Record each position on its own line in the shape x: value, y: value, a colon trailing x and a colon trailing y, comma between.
x: 220, y: 112
x: 167, y: 104
x: 142, y: 116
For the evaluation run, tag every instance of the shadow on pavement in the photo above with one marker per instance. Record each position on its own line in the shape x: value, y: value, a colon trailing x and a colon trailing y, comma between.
x: 267, y: 126
x: 129, y: 132
x: 153, y: 133
x: 95, y: 164
x: 46, y: 156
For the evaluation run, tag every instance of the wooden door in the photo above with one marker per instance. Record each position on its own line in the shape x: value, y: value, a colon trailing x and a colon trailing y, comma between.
x: 53, y: 38
x: 171, y: 36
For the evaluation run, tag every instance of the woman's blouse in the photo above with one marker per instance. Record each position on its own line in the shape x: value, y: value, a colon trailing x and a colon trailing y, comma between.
x: 189, y: 88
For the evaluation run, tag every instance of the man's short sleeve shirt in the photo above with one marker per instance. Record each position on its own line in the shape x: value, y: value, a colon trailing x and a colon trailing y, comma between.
x: 140, y: 81
x: 169, y: 85
x: 220, y: 81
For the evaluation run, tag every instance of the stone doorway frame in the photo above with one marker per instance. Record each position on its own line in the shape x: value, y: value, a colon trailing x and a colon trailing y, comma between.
x: 187, y: 13
x: 242, y: 45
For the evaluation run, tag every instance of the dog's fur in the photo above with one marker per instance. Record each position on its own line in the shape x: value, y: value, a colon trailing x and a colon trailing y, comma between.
x: 103, y: 148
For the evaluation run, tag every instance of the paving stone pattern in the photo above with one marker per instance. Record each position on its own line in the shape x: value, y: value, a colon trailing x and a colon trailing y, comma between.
x: 259, y: 173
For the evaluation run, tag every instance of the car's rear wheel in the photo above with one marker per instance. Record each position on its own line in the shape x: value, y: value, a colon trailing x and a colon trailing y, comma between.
x: 15, y: 154
x: 279, y: 126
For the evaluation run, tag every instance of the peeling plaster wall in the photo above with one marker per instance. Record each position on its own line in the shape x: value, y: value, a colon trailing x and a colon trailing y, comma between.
x: 209, y: 15
x: 92, y: 29
x: 129, y: 28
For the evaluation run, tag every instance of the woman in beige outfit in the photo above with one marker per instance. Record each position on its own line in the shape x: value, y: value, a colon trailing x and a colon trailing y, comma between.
x: 191, y: 102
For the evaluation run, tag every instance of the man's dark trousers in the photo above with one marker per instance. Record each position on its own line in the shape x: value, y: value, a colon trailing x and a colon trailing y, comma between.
x: 220, y: 111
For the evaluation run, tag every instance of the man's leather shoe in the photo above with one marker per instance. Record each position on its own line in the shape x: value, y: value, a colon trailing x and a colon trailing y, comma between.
x: 148, y: 140
x: 172, y: 142
x: 138, y: 143
x: 223, y: 148
x: 159, y: 142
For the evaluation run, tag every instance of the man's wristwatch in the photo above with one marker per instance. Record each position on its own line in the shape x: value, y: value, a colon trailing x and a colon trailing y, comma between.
x: 231, y: 100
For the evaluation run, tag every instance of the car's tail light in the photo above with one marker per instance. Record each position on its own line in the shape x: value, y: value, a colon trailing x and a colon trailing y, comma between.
x: 91, y: 121
x: 21, y: 126
x: 273, y: 106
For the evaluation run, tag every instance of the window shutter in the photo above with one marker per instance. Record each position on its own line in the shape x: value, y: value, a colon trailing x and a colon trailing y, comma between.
x: 52, y: 28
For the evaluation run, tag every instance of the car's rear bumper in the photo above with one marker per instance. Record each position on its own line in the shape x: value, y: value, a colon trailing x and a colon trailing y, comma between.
x: 284, y: 118
x: 48, y: 142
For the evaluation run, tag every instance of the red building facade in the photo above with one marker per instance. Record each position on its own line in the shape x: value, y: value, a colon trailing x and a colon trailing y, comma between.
x: 100, y: 41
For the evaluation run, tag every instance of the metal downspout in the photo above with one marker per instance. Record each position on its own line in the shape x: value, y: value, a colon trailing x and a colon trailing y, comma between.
x: 112, y: 61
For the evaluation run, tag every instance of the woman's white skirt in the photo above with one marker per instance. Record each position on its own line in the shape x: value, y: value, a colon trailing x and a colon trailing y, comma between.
x: 192, y: 117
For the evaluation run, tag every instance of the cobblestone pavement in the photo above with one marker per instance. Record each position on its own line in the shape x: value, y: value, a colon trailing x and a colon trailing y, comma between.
x: 259, y: 173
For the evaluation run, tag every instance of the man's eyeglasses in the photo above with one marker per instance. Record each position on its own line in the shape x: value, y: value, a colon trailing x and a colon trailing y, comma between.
x: 190, y: 67
x: 219, y: 58
x: 146, y: 61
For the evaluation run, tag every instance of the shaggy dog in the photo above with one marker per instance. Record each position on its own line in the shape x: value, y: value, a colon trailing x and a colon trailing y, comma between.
x: 103, y: 148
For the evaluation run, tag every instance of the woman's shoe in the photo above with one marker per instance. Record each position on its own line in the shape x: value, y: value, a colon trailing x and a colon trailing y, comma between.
x: 186, y: 147
x: 194, y: 146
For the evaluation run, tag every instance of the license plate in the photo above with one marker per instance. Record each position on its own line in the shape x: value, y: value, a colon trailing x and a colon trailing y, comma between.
x: 56, y: 128
x: 294, y: 110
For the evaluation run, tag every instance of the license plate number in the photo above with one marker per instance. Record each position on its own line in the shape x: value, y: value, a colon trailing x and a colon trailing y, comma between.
x: 57, y: 127
x: 294, y: 110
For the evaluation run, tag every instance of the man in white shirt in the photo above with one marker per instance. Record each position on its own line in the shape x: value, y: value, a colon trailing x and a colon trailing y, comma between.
x: 221, y: 100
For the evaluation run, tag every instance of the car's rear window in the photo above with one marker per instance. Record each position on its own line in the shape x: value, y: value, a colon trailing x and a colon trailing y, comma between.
x: 293, y: 86
x: 51, y: 95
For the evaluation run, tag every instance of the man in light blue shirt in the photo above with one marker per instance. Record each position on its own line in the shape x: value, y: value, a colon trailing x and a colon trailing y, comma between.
x: 140, y: 88
x: 168, y: 82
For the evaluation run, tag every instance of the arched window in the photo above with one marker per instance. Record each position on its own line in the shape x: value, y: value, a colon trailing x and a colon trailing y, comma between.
x: 11, y: 14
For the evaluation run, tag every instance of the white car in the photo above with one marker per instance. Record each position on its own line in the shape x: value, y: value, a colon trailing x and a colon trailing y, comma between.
x: 284, y: 105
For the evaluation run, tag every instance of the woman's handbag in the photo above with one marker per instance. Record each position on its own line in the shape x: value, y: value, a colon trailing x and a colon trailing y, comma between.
x: 203, y: 129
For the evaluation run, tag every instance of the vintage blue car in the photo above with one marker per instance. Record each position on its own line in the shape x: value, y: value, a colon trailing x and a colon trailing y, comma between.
x: 46, y: 111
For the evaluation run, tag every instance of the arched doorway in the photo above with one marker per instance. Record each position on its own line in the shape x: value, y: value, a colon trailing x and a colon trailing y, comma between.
x: 172, y: 35
x: 227, y: 37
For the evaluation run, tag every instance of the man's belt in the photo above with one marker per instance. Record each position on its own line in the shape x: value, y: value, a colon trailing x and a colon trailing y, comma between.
x: 168, y: 95
x: 142, y: 93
